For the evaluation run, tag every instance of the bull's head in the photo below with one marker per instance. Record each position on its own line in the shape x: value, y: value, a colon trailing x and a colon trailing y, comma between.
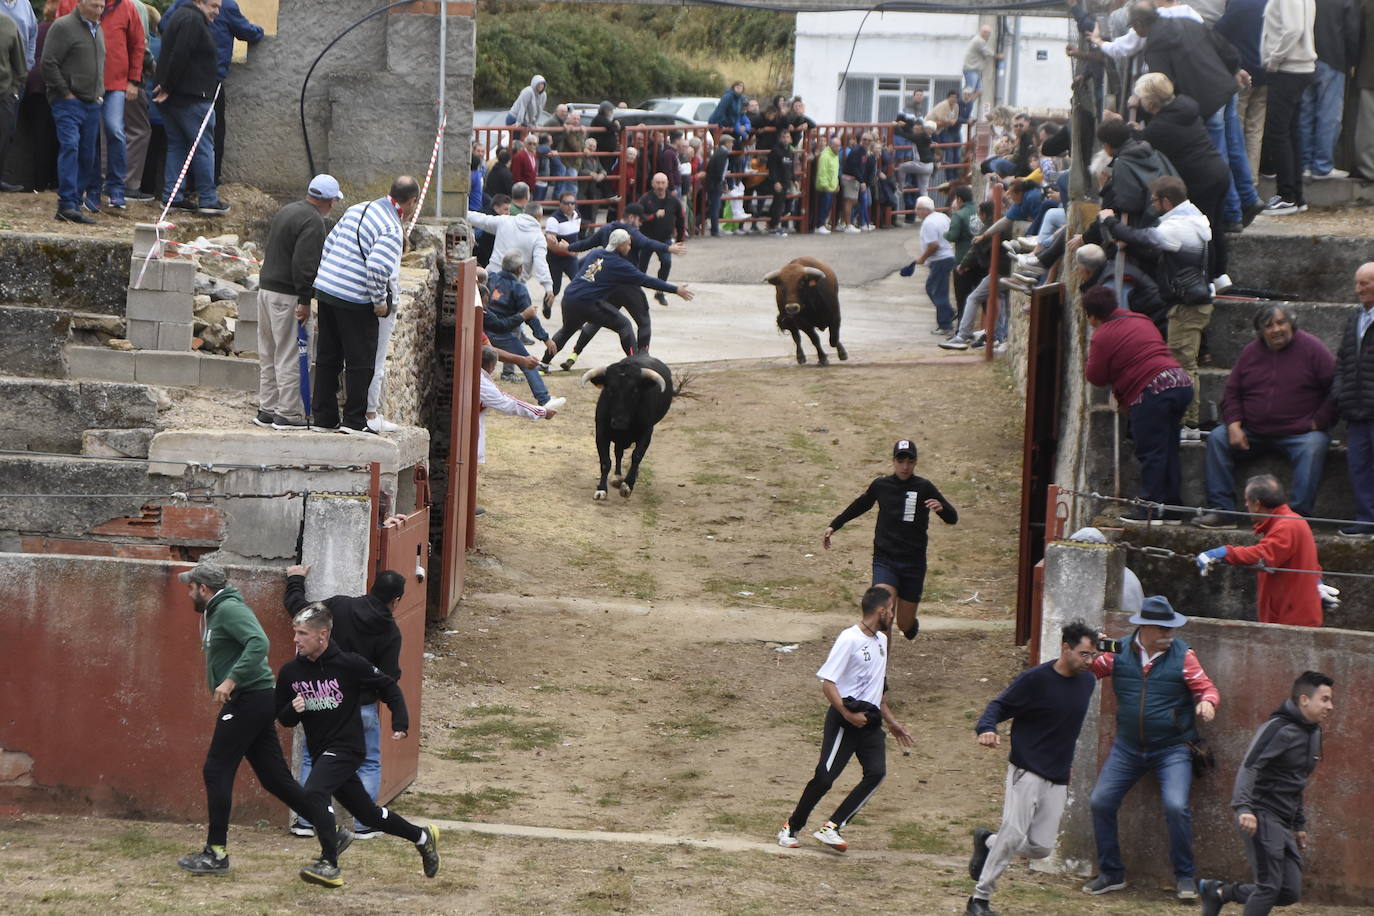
x: 622, y: 383
x: 810, y: 276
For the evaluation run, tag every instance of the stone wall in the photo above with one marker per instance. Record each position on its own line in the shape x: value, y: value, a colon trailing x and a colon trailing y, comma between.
x: 407, y: 391
x: 75, y: 274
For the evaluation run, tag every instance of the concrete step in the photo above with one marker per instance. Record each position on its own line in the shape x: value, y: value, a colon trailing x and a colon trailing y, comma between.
x: 175, y: 368
x: 62, y: 271
x: 1334, y: 497
x: 52, y: 415
x: 1331, y: 192
x: 1229, y: 591
x: 1233, y: 325
x: 1315, y: 268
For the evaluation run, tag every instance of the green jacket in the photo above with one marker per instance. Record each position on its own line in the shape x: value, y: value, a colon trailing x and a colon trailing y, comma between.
x: 234, y: 644
x: 827, y: 170
x: 960, y: 232
x: 74, y: 60
x: 13, y: 69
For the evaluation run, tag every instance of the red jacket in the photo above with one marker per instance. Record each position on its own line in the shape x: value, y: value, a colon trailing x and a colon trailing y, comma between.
x: 524, y: 167
x: 1285, y: 541
x: 124, y: 42
x: 1127, y: 353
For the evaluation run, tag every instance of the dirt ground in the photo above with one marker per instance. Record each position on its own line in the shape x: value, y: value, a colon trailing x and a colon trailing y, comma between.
x: 250, y: 212
x: 646, y: 667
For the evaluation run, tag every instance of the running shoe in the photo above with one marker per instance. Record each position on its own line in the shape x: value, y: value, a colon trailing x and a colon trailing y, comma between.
x: 977, y: 906
x: 301, y: 830
x: 429, y: 850
x: 343, y: 838
x: 1185, y: 889
x: 830, y: 836
x: 980, y: 852
x: 205, y: 862
x: 1104, y: 885
x: 787, y: 839
x: 1211, y: 896
x: 957, y: 342
x: 322, y: 873
x: 366, y: 833
x: 567, y: 364
x: 264, y: 419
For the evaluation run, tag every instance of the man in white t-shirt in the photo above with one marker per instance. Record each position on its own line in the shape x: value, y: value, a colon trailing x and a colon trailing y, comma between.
x: 938, y: 256
x: 853, y: 680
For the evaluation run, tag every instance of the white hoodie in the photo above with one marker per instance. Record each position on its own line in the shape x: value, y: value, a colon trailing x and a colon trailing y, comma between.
x: 1288, y: 44
x: 517, y: 232
x: 1184, y: 228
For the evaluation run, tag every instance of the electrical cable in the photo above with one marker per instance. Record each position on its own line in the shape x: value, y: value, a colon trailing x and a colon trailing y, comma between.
x: 1166, y: 553
x: 1200, y: 510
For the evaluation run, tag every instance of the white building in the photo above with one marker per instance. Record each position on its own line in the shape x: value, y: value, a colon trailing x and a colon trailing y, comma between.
x: 897, y: 53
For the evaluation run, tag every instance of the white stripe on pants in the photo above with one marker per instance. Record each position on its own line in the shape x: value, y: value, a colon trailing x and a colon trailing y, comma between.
x: 279, y: 374
x: 374, y: 391
x: 1030, y: 824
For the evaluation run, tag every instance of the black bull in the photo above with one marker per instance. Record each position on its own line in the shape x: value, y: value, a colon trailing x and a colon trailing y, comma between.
x: 808, y: 300
x: 635, y: 394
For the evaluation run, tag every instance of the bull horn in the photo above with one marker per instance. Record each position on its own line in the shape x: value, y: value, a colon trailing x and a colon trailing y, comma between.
x: 592, y: 375
x: 771, y: 275
x: 813, y: 272
x: 654, y: 377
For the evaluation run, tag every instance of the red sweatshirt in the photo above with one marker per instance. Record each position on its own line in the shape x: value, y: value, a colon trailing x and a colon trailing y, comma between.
x: 124, y: 42
x: 1285, y: 541
x: 1127, y: 352
x: 525, y: 167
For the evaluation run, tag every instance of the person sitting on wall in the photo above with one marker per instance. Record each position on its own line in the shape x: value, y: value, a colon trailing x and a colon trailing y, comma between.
x: 1286, y: 544
x: 1278, y: 398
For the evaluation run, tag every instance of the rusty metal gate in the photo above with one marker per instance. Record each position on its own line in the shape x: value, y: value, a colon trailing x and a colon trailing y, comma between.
x: 460, y: 465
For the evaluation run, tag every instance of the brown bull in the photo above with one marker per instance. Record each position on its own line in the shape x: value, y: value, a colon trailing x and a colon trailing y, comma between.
x: 808, y: 300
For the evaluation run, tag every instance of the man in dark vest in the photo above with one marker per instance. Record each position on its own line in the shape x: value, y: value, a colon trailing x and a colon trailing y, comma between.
x: 1161, y: 690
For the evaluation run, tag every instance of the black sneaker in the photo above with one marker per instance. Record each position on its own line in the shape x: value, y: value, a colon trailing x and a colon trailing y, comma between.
x: 343, y: 838
x: 662, y: 299
x: 286, y: 423
x: 1104, y: 885
x: 429, y: 850
x: 1249, y: 213
x: 980, y: 855
x: 978, y: 907
x: 1140, y: 515
x: 215, y: 208
x: 567, y: 364
x: 1215, y: 521
x: 264, y: 419
x: 1357, y: 530
x: 911, y: 631
x: 205, y: 862
x: 74, y: 216
x: 138, y: 196
x: 322, y: 873
x: 300, y: 829
x: 345, y: 428
x: 184, y: 204
x: 1211, y: 895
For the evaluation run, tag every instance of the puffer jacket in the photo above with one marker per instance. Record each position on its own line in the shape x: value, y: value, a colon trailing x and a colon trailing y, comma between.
x: 1136, y: 165
x: 1353, y: 387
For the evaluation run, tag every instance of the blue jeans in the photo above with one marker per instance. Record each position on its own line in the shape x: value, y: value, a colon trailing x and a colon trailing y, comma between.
x: 973, y: 79
x: 1123, y: 768
x: 713, y: 192
x: 937, y: 288
x: 1236, y: 157
x: 825, y: 201
x: 182, y: 118
x: 1359, y: 443
x: 1216, y: 129
x: 1307, y: 452
x: 1155, y: 424
x: 1320, y: 120
x: 78, y: 124
x: 370, y: 772
x: 116, y: 153
x: 511, y: 344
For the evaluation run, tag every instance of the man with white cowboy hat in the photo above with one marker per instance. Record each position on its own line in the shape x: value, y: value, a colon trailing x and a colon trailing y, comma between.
x: 1161, y: 690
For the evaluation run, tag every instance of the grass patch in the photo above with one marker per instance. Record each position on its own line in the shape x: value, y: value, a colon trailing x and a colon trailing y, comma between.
x: 520, y: 736
x: 712, y: 478
x: 462, y: 805
x: 691, y: 726
x: 612, y: 894
x: 135, y: 843
x: 918, y: 837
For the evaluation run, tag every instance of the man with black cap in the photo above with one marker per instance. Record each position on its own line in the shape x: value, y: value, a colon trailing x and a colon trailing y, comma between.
x: 904, y: 502
x: 235, y: 648
x: 366, y: 625
x: 1161, y: 690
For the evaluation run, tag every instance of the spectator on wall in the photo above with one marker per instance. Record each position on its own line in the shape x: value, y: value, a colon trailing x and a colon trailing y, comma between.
x: 74, y: 71
x: 977, y: 55
x: 1336, y: 37
x: 529, y: 104
x: 1353, y: 389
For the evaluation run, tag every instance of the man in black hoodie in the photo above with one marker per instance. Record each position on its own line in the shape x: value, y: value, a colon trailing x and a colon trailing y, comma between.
x: 364, y: 625
x: 781, y: 159
x: 1268, y: 801
x: 321, y: 690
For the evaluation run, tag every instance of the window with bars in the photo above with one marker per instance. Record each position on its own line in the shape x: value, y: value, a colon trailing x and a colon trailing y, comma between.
x: 880, y: 98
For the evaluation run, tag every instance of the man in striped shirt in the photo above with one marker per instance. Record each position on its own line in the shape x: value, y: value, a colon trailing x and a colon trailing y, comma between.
x: 357, y: 284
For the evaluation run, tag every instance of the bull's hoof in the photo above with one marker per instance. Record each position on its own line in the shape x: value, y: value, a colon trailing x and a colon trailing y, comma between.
x: 822, y: 360
x: 625, y: 490
x: 617, y: 480
x: 801, y: 359
x: 841, y: 352
x: 599, y: 494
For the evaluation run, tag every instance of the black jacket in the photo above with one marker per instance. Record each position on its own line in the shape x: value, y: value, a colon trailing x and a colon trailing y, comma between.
x: 1353, y: 387
x: 189, y: 63
x: 333, y: 687
x: 363, y: 625
x: 499, y: 181
x: 1277, y: 765
x: 1201, y: 63
x: 1177, y: 133
x: 1142, y: 292
x: 900, y: 532
x: 670, y: 225
x: 1336, y: 32
x: 717, y: 167
x: 780, y: 161
x: 294, y: 242
x: 1136, y: 165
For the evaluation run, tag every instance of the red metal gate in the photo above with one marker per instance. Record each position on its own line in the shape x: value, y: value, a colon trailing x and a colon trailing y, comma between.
x: 460, y: 498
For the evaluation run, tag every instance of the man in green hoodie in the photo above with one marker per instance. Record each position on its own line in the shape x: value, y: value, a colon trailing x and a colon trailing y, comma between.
x: 237, y: 674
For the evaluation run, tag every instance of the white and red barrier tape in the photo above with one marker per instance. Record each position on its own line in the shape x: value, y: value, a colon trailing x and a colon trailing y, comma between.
x: 429, y: 173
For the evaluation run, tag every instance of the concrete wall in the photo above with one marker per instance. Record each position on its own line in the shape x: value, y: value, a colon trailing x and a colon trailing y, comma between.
x: 77, y: 274
x: 370, y: 105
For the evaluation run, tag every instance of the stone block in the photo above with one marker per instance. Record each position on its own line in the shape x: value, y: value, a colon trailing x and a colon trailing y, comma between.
x: 142, y: 334
x: 264, y: 530
x: 146, y: 240
x: 179, y: 275
x: 228, y: 372
x: 116, y: 443
x: 173, y: 335
x: 158, y: 305
x: 163, y: 367
x: 145, y: 273
x: 50, y: 415
x: 248, y: 305
x: 245, y: 335
x: 100, y: 363
x: 33, y: 341
x: 81, y: 274
x: 334, y: 544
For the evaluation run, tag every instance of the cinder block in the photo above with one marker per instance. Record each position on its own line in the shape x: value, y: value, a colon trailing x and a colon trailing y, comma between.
x: 173, y: 335
x: 151, y: 274
x: 245, y: 335
x: 179, y: 276
x: 142, y: 334
x: 163, y: 367
x: 100, y: 363
x: 228, y: 372
x: 146, y: 240
x: 156, y: 305
x: 248, y: 306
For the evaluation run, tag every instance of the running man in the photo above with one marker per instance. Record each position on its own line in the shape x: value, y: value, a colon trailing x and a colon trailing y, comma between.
x: 322, y: 689
x: 905, y: 502
x: 1048, y: 704
x: 1268, y: 801
x: 854, y: 683
x: 235, y: 648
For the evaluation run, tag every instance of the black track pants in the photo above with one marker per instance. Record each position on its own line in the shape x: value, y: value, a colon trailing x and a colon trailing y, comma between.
x: 334, y: 773
x: 841, y: 742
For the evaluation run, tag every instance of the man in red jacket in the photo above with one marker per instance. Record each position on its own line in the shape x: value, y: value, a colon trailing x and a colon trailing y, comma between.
x: 1286, y: 543
x: 524, y: 165
x: 1127, y: 353
x: 124, y: 41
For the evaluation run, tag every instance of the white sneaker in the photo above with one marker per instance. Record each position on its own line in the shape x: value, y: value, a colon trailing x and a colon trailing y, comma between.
x: 380, y: 424
x: 852, y: 228
x: 869, y: 227
x: 1223, y: 283
x: 957, y: 342
x: 999, y: 348
x: 786, y: 839
x: 1334, y: 173
x: 1029, y: 263
x: 821, y: 230
x: 830, y: 836
x: 553, y: 405
x: 1189, y: 434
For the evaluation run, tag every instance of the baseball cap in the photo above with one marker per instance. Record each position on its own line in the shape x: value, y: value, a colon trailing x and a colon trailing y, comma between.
x: 618, y: 237
x: 325, y: 187
x: 904, y: 447
x: 211, y: 575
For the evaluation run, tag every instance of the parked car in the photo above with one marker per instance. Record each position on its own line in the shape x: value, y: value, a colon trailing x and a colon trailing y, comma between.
x: 695, y: 108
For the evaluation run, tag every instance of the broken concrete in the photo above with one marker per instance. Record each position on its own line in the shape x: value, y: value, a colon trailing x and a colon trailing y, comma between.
x: 50, y: 416
x: 33, y: 341
x: 116, y: 443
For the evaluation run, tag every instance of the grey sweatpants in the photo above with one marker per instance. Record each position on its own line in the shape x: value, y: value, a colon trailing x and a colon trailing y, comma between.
x: 1030, y: 823
x: 279, y: 374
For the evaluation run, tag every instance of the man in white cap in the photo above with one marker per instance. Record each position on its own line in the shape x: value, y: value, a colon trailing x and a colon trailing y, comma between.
x: 285, y: 288
x: 585, y: 299
x: 938, y: 256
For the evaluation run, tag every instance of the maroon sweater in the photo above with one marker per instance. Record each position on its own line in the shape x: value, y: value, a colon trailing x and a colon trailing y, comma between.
x: 1127, y: 352
x: 1281, y: 393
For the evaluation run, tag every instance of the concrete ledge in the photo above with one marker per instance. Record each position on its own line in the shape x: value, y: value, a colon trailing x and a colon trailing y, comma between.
x: 100, y: 363
x: 1232, y: 325
x: 228, y: 372
x: 396, y: 451
x: 33, y: 341
x: 1318, y: 268
x: 175, y: 368
x: 159, y: 367
x: 45, y: 415
x: 157, y: 305
x: 80, y: 274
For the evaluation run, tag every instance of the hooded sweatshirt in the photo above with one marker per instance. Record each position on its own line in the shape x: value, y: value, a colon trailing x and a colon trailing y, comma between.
x: 1277, y: 765
x: 363, y: 625
x: 234, y: 644
x: 602, y: 271
x: 1136, y: 165
x: 1288, y: 44
x: 334, y: 686
x: 529, y: 104
x: 517, y: 232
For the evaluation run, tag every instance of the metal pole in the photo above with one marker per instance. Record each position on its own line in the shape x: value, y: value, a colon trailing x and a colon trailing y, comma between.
x: 443, y: 81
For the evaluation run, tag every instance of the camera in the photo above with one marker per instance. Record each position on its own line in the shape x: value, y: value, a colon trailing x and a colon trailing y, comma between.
x: 1106, y: 644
